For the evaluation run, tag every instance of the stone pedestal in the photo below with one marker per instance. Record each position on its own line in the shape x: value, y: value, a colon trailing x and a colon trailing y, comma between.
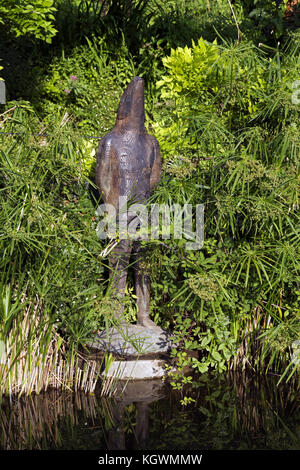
x: 137, y: 369
x: 140, y: 352
x: 132, y: 341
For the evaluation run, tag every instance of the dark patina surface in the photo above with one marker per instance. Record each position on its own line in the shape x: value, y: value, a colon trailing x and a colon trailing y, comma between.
x: 129, y: 166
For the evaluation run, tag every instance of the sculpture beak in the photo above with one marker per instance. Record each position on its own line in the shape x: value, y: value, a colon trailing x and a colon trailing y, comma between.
x: 132, y: 101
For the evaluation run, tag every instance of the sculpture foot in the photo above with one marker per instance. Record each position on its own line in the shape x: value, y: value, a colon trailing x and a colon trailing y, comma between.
x: 147, y: 323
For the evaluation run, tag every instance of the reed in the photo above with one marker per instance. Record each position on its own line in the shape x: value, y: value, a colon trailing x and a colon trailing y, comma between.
x: 37, y: 358
x: 236, y: 301
x: 42, y: 257
x: 230, y: 140
x: 33, y: 421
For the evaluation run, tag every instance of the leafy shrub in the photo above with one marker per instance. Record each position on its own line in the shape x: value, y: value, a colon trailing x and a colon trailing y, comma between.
x: 229, y: 134
x: 48, y: 231
x: 22, y: 18
x: 87, y: 85
x: 225, y: 121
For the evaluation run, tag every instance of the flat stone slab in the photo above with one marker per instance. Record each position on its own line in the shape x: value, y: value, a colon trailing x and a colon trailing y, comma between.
x: 132, y: 340
x: 137, y: 369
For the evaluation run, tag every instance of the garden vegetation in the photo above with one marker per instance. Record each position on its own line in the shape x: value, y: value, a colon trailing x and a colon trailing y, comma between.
x: 223, y: 99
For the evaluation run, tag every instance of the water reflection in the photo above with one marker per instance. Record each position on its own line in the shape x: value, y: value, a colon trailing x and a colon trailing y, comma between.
x: 237, y: 412
x: 34, y: 422
x: 142, y: 394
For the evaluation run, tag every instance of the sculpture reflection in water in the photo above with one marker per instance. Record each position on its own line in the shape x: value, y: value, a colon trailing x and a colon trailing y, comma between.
x: 245, y: 412
x: 33, y: 422
x: 142, y: 394
x: 56, y: 420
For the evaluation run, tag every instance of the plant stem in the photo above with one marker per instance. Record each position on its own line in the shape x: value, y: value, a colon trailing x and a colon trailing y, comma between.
x: 237, y: 25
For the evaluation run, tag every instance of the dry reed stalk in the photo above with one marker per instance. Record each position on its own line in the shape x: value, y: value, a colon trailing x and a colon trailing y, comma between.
x: 32, y: 368
x: 37, y: 416
x: 250, y: 344
x: 108, y: 385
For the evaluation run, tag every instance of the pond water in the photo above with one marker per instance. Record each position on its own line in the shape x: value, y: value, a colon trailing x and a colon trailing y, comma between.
x: 236, y: 412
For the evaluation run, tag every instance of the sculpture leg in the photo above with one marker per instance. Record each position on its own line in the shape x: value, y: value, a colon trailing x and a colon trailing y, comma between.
x: 118, y: 263
x: 142, y: 288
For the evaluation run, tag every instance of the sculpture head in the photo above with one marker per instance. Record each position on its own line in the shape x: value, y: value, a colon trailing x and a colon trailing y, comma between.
x: 131, y: 111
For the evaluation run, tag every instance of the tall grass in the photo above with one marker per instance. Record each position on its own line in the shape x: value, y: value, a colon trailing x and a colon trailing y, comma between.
x: 48, y: 309
x: 229, y: 131
x: 22, y: 429
x: 36, y: 358
x: 229, y: 136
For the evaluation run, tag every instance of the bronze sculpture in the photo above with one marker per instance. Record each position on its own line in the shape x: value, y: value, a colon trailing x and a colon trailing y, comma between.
x: 129, y: 166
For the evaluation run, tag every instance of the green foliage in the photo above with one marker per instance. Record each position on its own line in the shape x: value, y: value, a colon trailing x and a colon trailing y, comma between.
x: 113, y: 19
x: 228, y: 129
x: 226, y: 86
x: 226, y: 125
x: 33, y: 19
x: 262, y: 21
x: 90, y: 78
x: 47, y: 228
